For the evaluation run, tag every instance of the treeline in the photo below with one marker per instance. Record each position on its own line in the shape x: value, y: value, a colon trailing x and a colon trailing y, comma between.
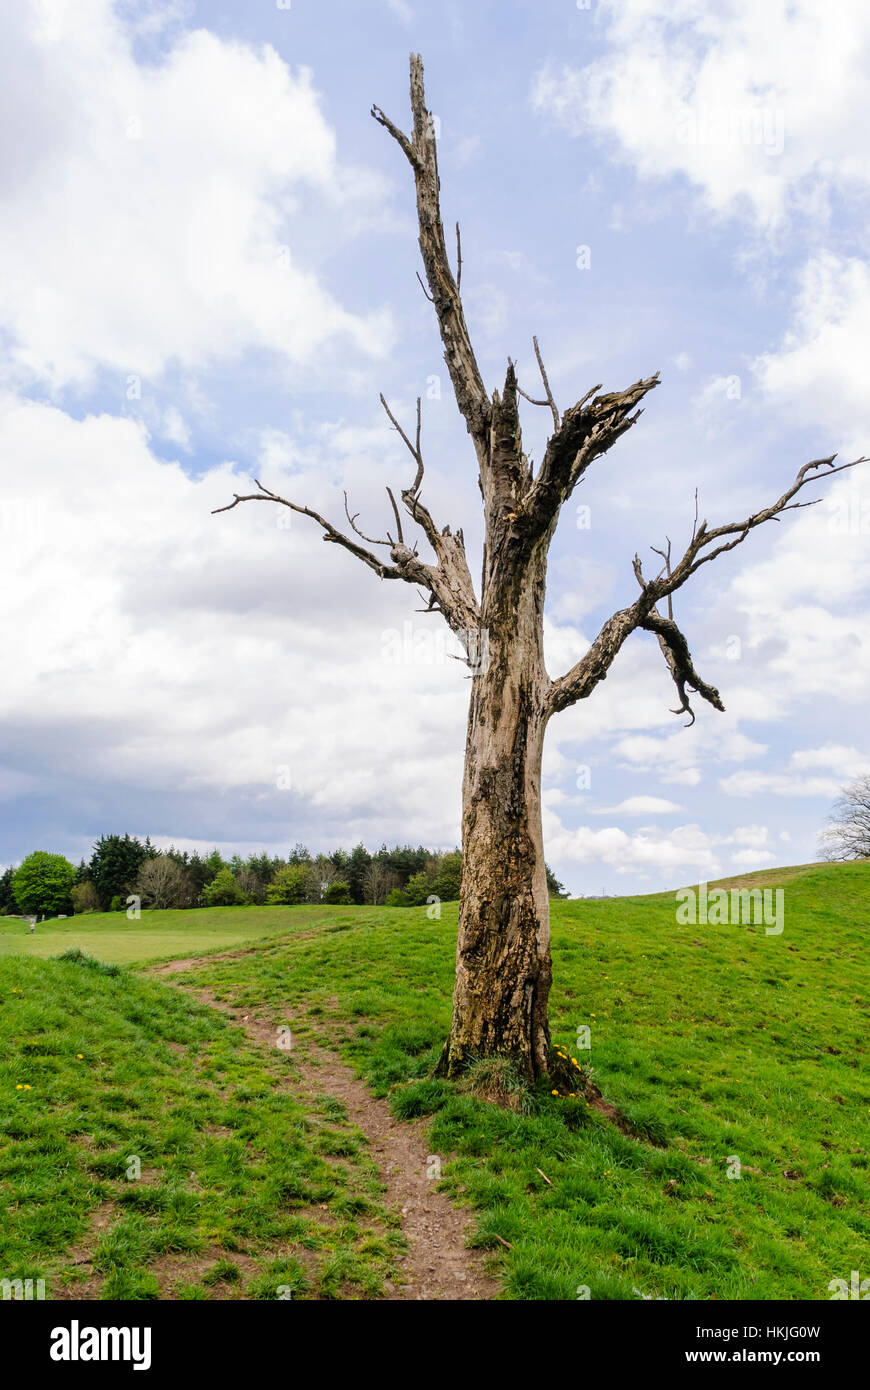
x: 122, y: 866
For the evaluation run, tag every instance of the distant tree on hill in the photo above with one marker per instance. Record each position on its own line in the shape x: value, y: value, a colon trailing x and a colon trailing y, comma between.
x: 448, y: 877
x: 161, y: 883
x: 223, y: 891
x: 357, y: 865
x: 115, y: 863
x: 337, y: 892
x: 8, y: 904
x: 377, y: 883
x: 440, y: 878
x: 42, y: 884
x: 554, y: 887
x: 84, y: 897
x: 290, y: 885
x: 214, y: 863
x: 848, y: 833
x: 198, y: 874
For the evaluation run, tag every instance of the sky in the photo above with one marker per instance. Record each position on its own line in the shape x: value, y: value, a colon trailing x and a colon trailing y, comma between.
x: 207, y: 274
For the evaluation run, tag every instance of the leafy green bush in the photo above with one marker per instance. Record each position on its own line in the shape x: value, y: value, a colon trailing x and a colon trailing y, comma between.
x: 337, y: 893
x: 396, y: 898
x: 445, y: 884
x: 418, y: 889
x: 84, y: 897
x: 290, y: 885
x: 223, y: 891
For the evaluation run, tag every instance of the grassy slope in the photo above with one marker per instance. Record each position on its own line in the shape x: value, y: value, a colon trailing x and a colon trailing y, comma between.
x: 235, y: 1175
x: 714, y: 1041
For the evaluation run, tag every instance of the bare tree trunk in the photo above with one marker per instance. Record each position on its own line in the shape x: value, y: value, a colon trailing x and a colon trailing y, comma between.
x: 503, y: 967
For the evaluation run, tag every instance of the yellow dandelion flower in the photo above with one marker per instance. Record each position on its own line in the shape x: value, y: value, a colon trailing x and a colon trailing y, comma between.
x: 28, y: 1088
x: 80, y: 1056
x: 19, y: 1087
x: 554, y: 1093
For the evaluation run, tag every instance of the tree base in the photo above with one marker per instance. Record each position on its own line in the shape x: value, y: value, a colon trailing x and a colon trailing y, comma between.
x: 455, y: 1060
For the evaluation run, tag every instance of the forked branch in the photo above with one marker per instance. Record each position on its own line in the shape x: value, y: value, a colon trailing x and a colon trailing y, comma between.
x: 330, y: 532
x: 587, y: 430
x: 705, y: 545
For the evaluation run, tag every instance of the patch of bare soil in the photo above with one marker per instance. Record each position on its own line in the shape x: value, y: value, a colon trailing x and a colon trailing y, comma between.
x: 437, y: 1265
x: 82, y: 1255
x: 174, y: 967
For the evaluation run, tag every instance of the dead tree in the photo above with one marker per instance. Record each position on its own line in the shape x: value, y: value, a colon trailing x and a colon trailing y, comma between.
x: 503, y: 965
x: 848, y: 831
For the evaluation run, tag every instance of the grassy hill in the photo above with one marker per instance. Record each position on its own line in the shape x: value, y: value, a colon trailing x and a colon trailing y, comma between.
x: 719, y: 1045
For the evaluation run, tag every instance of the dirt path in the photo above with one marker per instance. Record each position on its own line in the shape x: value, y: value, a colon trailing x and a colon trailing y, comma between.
x: 437, y: 1264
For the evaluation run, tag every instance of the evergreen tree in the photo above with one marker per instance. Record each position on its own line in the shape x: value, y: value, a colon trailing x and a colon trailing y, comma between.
x: 339, y: 859
x: 199, y: 874
x: 357, y: 868
x: 115, y: 864
x: 554, y: 888
x: 214, y: 863
x: 7, y: 896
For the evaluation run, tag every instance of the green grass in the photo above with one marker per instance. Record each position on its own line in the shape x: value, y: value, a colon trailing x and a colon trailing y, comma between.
x: 714, y: 1042
x: 154, y: 1139
x: 158, y: 935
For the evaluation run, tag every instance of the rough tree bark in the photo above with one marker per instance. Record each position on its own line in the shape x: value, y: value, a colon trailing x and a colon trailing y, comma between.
x: 503, y: 966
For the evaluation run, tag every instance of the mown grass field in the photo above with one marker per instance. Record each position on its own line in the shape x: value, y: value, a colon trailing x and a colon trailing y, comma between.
x: 717, y: 1043
x: 157, y: 935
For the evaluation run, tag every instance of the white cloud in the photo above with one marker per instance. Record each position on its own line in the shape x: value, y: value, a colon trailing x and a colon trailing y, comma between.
x: 752, y: 858
x: 839, y: 759
x: 840, y: 762
x: 657, y: 855
x: 754, y: 105
x: 175, y: 428
x: 661, y: 854
x: 149, y: 211
x: 753, y: 783
x: 641, y: 806
x: 672, y: 759
x: 183, y: 653
x: 754, y: 835
x: 818, y: 373
x: 401, y: 9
